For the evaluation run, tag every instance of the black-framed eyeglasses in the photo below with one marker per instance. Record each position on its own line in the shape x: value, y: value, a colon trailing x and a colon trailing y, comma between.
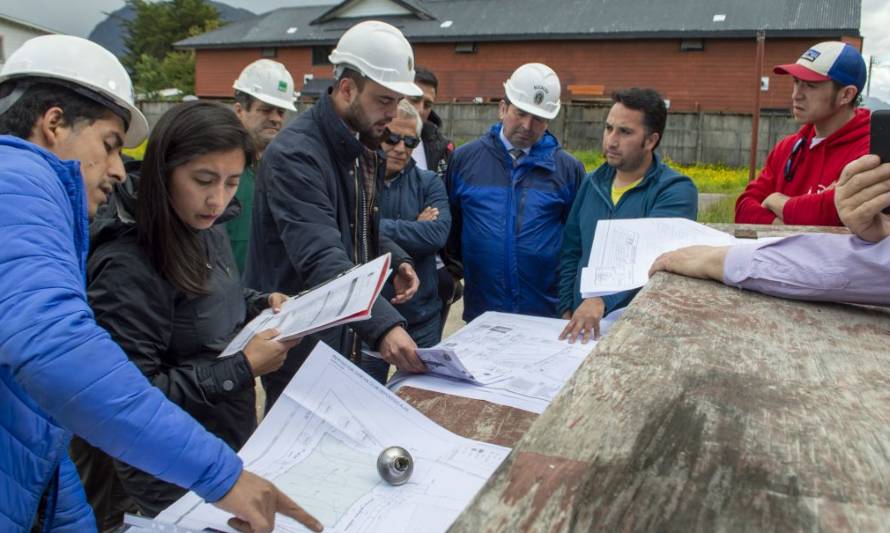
x: 792, y: 160
x: 394, y: 139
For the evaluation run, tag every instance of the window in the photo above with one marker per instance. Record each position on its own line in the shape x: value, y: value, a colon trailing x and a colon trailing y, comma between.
x: 269, y: 52
x: 692, y: 45
x: 320, y: 55
x: 466, y: 48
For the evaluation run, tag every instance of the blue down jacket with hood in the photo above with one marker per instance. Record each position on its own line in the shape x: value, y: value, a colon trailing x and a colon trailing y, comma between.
x: 507, y: 223
x: 61, y: 373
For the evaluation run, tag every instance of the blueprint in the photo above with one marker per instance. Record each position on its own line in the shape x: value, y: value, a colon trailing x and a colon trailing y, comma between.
x: 343, y: 299
x: 441, y: 362
x: 320, y: 443
x: 623, y: 250
x: 517, y: 360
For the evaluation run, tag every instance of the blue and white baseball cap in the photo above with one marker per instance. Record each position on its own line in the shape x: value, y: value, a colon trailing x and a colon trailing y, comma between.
x: 831, y: 60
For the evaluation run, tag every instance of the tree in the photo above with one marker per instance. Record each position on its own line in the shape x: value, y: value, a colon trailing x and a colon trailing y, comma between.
x: 150, y: 58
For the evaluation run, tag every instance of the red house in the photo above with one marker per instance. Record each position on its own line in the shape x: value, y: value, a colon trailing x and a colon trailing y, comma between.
x: 699, y: 54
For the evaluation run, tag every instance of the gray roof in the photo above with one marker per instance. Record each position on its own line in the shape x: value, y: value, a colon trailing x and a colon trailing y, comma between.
x: 510, y: 20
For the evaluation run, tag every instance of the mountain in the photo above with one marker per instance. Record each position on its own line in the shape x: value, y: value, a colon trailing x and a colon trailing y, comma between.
x: 874, y: 103
x: 110, y: 32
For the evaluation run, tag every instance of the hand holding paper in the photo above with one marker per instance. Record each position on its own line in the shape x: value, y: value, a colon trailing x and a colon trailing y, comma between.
x: 346, y: 298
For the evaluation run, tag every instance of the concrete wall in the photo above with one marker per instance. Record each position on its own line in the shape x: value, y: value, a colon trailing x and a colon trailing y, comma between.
x: 713, y: 138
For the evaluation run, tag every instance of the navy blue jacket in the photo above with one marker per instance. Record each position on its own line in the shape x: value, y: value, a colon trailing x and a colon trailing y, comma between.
x: 61, y: 373
x: 663, y: 193
x: 401, y: 200
x: 304, y: 229
x: 507, y: 223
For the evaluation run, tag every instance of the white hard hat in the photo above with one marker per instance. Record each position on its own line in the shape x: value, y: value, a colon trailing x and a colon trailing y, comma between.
x: 86, y: 68
x: 268, y: 81
x: 380, y: 52
x: 534, y: 88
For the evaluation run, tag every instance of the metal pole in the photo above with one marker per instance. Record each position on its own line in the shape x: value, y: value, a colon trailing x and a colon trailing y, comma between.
x: 755, y: 123
x: 871, y: 62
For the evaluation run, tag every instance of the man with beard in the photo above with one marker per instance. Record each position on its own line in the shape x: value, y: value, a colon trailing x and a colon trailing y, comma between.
x: 510, y: 193
x: 315, y: 210
x: 798, y: 180
x: 632, y: 183
x: 264, y: 92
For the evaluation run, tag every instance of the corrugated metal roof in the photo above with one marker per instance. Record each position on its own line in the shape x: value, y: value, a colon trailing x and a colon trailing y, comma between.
x: 488, y: 20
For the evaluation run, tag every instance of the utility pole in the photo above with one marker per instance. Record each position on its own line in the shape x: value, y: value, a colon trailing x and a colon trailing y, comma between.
x: 871, y: 62
x: 755, y: 122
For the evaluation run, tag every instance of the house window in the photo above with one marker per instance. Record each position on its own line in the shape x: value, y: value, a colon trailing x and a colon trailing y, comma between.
x: 692, y: 45
x: 269, y: 52
x: 466, y: 48
x: 320, y: 55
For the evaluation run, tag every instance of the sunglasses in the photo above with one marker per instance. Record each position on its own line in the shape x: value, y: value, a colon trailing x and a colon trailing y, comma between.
x: 792, y: 160
x: 394, y: 139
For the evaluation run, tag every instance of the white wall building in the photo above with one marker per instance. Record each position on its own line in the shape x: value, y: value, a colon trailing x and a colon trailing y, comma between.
x: 14, y: 32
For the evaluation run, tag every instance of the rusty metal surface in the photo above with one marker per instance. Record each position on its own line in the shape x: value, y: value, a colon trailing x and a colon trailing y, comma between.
x: 474, y: 419
x: 710, y: 409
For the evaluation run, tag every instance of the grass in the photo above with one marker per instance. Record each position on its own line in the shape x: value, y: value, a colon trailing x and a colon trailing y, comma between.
x: 721, y: 211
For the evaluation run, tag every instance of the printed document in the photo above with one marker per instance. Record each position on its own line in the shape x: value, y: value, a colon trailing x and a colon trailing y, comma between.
x: 624, y: 250
x: 516, y: 360
x: 320, y: 443
x: 346, y: 298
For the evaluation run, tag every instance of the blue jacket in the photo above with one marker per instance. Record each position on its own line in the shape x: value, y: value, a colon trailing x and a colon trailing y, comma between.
x: 61, y: 373
x: 662, y: 193
x: 507, y: 223
x: 401, y: 200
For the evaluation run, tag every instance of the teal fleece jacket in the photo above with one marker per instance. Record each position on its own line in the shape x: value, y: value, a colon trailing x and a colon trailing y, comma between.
x: 663, y: 193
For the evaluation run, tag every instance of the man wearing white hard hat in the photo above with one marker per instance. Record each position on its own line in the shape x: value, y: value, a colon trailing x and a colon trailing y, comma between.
x: 264, y: 93
x: 797, y: 183
x: 315, y: 210
x: 66, y: 109
x: 510, y: 192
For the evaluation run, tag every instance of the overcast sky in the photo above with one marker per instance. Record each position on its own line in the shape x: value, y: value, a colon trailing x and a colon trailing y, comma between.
x: 78, y: 17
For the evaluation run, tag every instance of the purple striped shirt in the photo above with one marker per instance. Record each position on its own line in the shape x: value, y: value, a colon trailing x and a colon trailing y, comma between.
x: 823, y: 267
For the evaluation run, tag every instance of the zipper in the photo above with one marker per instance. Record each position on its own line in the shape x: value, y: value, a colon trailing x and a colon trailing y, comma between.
x: 355, y: 173
x: 520, y: 211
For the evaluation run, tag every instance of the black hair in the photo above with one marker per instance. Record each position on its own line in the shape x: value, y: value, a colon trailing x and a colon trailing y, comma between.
x: 244, y: 99
x: 38, y: 98
x: 650, y: 103
x: 354, y: 75
x: 425, y: 76
x: 186, y: 131
x: 856, y: 101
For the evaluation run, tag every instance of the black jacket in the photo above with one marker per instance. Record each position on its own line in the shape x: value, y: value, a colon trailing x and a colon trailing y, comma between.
x: 305, y: 230
x: 173, y: 337
x: 436, y: 146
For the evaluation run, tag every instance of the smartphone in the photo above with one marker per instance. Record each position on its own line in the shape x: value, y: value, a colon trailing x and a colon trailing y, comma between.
x: 880, y: 138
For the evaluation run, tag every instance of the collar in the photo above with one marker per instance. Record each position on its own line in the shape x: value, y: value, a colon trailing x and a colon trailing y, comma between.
x: 507, y: 143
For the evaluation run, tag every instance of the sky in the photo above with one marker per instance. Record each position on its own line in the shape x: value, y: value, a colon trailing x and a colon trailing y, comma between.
x: 78, y: 17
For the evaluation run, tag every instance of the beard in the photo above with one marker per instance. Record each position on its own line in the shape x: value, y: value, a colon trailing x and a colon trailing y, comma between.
x: 359, y: 121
